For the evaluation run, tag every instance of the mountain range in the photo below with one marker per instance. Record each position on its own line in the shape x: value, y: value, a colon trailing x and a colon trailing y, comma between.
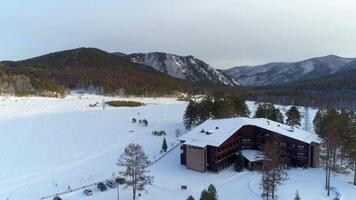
x: 285, y: 72
x: 110, y: 73
x: 159, y: 73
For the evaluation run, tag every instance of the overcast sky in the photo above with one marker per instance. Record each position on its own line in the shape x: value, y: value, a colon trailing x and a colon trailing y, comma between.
x: 224, y: 33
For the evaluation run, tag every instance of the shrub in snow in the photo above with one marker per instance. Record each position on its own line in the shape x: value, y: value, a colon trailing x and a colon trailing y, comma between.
x: 145, y: 122
x: 134, y: 120
x: 159, y: 133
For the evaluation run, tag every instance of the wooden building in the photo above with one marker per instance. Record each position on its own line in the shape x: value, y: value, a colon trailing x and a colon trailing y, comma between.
x: 212, y: 146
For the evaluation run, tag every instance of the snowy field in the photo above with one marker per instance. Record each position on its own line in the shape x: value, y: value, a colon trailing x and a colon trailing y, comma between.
x: 49, y: 144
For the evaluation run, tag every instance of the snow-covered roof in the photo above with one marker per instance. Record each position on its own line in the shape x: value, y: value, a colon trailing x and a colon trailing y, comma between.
x: 252, y: 155
x: 221, y: 129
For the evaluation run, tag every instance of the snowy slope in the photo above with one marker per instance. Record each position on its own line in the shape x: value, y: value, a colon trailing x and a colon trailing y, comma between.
x: 50, y: 144
x: 183, y: 67
x: 277, y: 73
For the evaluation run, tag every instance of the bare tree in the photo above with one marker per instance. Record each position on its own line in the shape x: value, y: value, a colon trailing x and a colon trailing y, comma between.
x: 274, y: 169
x: 135, y: 163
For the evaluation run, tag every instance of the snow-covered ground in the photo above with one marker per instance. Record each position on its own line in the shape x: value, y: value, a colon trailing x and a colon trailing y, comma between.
x: 49, y: 144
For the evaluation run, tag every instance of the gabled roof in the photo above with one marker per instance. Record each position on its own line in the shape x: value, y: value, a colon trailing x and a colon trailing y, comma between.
x: 219, y: 130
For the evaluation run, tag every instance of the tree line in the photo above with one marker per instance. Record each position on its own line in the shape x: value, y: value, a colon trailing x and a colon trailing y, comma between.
x: 214, y: 107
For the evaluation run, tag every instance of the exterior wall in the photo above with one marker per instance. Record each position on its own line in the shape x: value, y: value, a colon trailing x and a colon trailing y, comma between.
x: 225, y: 154
x: 196, y: 158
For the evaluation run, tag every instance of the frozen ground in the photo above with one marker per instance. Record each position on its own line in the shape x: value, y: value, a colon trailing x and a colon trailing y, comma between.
x: 50, y: 144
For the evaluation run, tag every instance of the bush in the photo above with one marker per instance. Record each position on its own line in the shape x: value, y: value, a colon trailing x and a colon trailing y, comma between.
x: 124, y: 103
x: 134, y: 120
x: 145, y: 122
x: 159, y: 133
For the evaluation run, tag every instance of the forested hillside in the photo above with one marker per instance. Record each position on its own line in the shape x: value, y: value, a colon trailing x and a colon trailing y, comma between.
x: 89, y: 69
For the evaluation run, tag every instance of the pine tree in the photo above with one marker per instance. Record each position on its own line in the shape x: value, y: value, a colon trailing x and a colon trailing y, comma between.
x: 205, y: 109
x: 212, y: 192
x: 135, y: 163
x: 204, y: 195
x: 164, y: 145
x: 293, y: 116
x: 241, y: 108
x: 190, y: 197
x: 190, y: 116
x: 223, y: 108
x: 317, y: 121
x: 268, y: 111
x: 297, y: 197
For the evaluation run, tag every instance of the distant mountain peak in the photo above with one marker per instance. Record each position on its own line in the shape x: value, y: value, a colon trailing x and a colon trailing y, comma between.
x: 183, y: 67
x: 283, y: 72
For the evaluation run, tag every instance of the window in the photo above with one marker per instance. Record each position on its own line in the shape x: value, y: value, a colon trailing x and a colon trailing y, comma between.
x: 246, y: 147
x: 246, y: 140
x: 283, y: 144
x: 300, y: 154
x: 300, y: 146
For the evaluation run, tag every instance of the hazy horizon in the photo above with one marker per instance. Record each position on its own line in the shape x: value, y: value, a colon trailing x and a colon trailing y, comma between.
x: 224, y: 33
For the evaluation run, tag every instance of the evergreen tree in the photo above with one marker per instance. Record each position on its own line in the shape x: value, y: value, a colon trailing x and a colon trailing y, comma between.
x: 293, y: 116
x: 204, y: 195
x: 212, y: 192
x: 205, y: 109
x: 164, y: 145
x: 268, y: 111
x: 223, y: 108
x: 297, y: 197
x: 191, y: 115
x: 241, y: 108
x: 317, y: 121
x: 190, y: 197
x: 262, y: 110
x: 330, y: 129
x: 276, y: 116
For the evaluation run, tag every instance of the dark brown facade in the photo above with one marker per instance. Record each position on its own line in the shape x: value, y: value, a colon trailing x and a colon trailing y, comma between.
x: 216, y: 159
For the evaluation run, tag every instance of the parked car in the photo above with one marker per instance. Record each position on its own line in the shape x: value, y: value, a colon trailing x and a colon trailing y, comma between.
x: 88, y: 192
x: 57, y: 198
x: 111, y: 184
x: 120, y: 181
x: 101, y: 186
